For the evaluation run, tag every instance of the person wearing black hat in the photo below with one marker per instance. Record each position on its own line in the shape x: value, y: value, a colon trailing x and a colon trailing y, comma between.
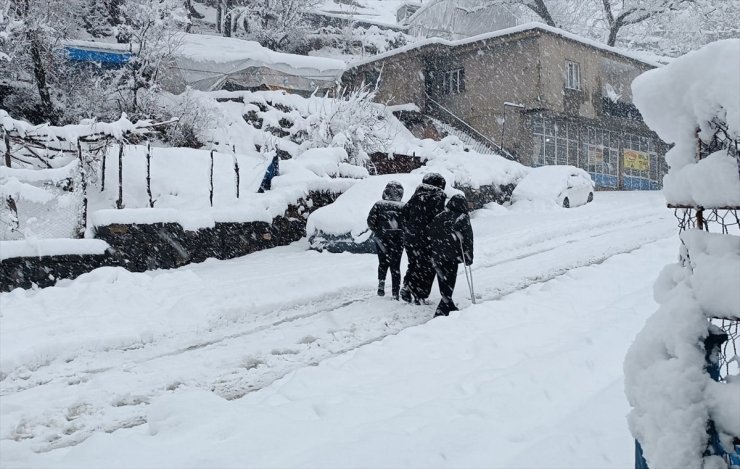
x: 451, y: 239
x: 385, y: 222
x: 428, y: 201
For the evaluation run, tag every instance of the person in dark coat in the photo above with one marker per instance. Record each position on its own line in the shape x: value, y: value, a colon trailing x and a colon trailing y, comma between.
x: 428, y: 201
x: 451, y: 239
x: 385, y: 222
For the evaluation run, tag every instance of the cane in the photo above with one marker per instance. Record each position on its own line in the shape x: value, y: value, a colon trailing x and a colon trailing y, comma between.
x: 468, y: 272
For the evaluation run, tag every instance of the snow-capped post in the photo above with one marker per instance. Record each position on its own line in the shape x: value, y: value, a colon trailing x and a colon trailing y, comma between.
x: 83, y: 182
x: 236, y: 169
x: 149, y: 173
x: 119, y: 202
x: 102, y: 170
x: 211, y: 178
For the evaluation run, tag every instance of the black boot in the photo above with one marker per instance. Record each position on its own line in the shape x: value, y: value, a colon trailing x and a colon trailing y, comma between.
x: 406, y: 295
x: 381, y: 287
x: 394, y: 294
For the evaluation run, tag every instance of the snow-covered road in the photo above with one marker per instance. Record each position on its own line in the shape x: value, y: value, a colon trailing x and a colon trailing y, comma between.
x: 103, y: 352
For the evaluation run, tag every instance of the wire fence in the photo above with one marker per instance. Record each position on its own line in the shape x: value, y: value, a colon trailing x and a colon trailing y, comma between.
x: 56, y: 218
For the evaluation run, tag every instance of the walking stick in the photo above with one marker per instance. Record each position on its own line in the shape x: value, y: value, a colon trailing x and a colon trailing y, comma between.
x: 468, y: 273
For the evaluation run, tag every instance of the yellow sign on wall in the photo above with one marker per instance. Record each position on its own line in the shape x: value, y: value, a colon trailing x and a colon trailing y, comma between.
x: 637, y: 160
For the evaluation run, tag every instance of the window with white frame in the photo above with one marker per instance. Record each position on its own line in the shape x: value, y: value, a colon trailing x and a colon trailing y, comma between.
x: 453, y: 81
x: 572, y: 75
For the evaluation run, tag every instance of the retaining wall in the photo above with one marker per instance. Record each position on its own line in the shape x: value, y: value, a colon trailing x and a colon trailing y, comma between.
x: 140, y: 247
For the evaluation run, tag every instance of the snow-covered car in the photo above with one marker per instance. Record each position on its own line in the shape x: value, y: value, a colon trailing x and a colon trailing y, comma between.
x: 564, y: 185
x: 342, y: 225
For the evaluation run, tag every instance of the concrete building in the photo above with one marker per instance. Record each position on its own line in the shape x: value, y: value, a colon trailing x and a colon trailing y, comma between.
x: 543, y: 95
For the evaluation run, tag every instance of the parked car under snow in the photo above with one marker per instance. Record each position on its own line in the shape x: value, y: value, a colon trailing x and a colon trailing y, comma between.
x: 342, y: 225
x: 566, y: 186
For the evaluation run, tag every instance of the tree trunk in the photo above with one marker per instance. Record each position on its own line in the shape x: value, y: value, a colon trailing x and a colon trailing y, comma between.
x: 226, y: 17
x: 540, y: 8
x: 613, y: 32
x: 219, y: 15
x: 114, y: 11
x: 47, y: 108
x: 227, y: 24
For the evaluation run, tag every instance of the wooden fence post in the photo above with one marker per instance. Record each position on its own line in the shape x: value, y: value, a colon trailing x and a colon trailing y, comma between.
x: 83, y: 182
x: 102, y: 177
x: 119, y: 202
x: 211, y: 196
x: 7, y: 149
x: 236, y: 169
x: 700, y: 218
x: 149, y: 174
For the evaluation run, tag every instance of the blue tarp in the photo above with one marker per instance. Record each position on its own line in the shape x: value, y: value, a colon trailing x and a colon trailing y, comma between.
x: 83, y: 54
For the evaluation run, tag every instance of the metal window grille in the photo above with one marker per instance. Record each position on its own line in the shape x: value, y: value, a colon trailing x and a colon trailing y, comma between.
x: 573, y: 75
x: 453, y: 81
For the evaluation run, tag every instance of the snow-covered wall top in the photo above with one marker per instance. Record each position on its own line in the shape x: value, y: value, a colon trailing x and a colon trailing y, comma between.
x: 688, y: 94
x: 180, y: 186
x: 51, y: 247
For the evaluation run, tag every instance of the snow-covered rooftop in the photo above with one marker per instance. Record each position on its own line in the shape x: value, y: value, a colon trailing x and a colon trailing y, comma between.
x: 235, y: 52
x: 205, y: 62
x: 527, y: 27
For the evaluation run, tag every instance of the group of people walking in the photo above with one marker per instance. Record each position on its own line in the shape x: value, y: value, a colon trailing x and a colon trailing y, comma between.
x: 437, y: 237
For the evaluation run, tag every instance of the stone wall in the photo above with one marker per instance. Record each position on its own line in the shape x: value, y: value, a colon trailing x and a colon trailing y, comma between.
x: 395, y: 165
x: 140, y: 247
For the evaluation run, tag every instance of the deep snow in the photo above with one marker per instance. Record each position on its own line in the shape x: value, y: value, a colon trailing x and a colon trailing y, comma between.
x: 210, y: 364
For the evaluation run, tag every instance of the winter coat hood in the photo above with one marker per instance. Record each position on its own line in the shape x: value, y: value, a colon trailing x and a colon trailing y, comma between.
x: 393, y: 191
x: 458, y: 204
x: 434, y: 179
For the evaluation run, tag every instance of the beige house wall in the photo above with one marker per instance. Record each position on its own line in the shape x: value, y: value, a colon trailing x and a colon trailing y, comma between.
x: 597, y: 69
x: 497, y: 73
x: 401, y: 79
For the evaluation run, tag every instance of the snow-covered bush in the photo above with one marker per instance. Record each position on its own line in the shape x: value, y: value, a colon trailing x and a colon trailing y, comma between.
x: 351, y: 120
x: 359, y: 40
x: 195, y: 116
x: 276, y: 24
x: 693, y: 103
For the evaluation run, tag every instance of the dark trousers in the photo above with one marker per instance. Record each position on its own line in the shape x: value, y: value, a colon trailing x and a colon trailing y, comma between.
x: 420, y: 270
x: 389, y: 257
x: 446, y: 277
